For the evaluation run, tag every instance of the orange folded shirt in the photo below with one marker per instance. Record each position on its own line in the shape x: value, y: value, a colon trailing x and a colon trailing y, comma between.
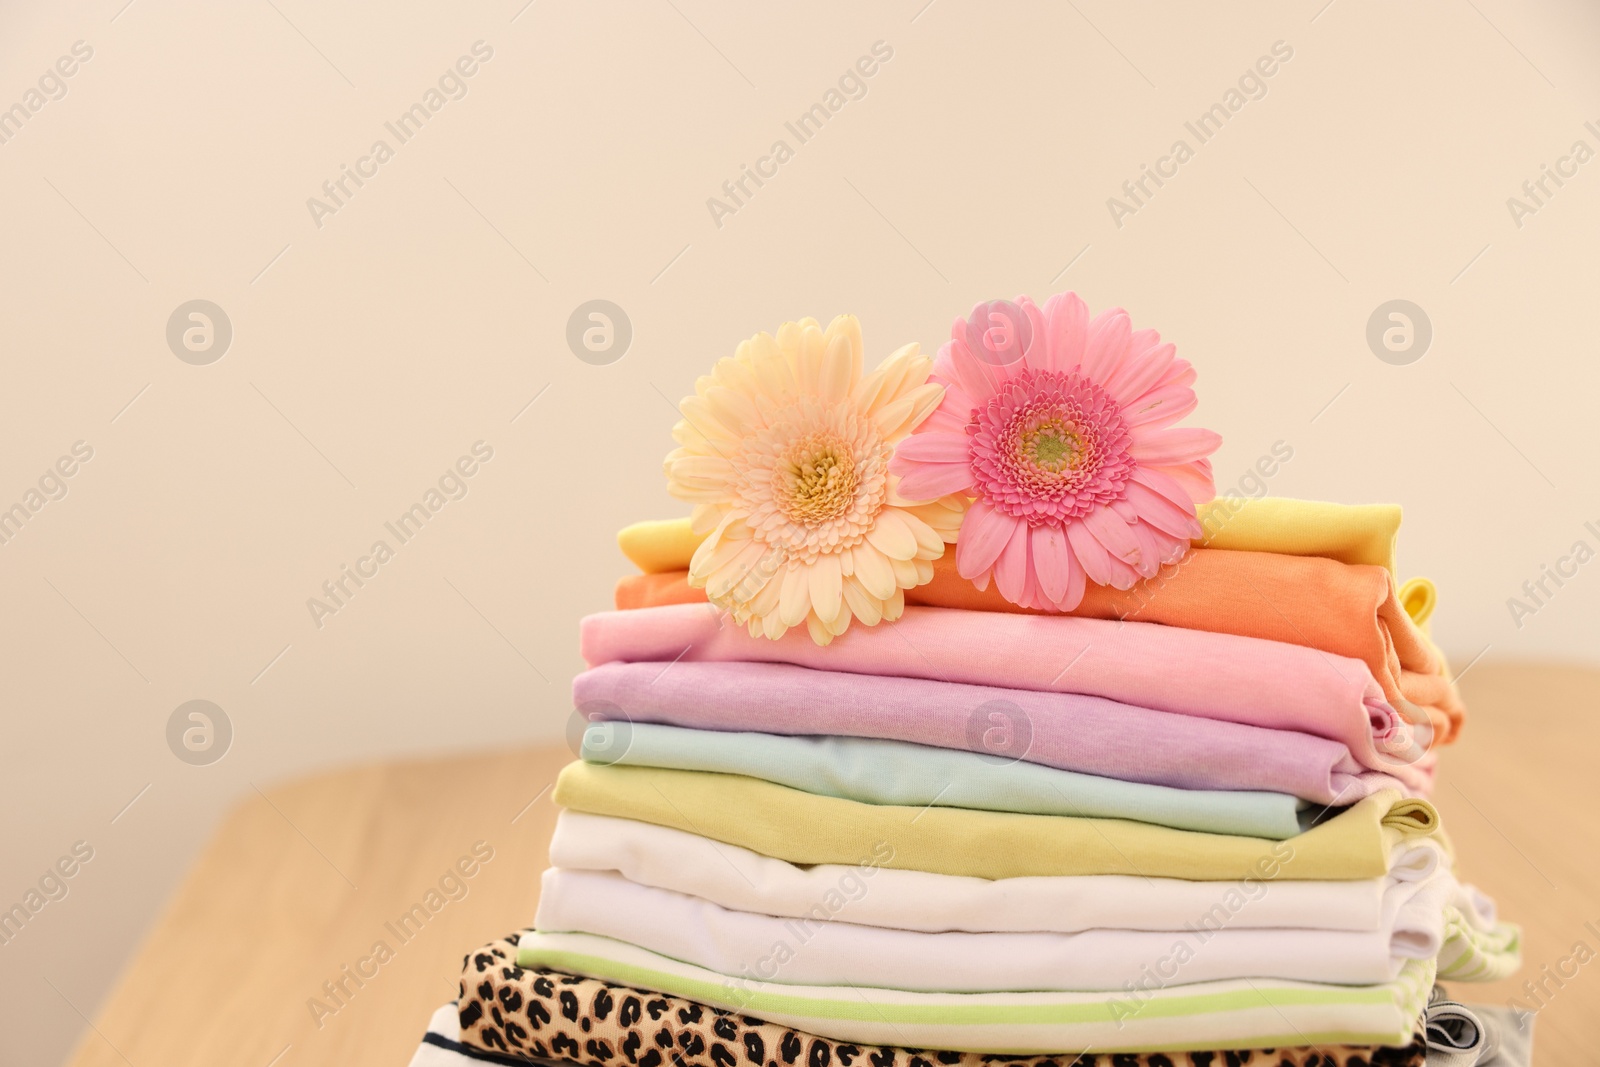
x: 1341, y: 608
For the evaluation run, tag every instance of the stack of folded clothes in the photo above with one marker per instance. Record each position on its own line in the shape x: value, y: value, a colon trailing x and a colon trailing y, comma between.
x: 961, y: 722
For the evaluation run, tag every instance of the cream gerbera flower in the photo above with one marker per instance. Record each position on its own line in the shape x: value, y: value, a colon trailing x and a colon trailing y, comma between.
x: 785, y: 455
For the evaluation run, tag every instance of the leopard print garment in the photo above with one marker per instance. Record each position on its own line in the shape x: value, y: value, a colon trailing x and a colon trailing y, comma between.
x: 546, y: 1015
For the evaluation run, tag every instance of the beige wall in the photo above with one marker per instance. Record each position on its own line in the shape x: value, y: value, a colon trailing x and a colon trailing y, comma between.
x: 372, y: 350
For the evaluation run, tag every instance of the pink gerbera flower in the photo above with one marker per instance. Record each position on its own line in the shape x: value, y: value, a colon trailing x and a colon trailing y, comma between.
x: 1060, y: 430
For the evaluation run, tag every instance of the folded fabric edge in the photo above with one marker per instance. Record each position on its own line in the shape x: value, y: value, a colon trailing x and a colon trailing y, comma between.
x: 1144, y: 802
x: 723, y: 940
x: 1406, y: 994
x: 444, y: 1033
x: 510, y: 982
x: 1372, y: 532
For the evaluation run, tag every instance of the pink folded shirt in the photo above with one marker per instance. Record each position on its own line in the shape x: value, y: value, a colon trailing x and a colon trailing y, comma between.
x: 1242, y: 680
x: 1090, y: 735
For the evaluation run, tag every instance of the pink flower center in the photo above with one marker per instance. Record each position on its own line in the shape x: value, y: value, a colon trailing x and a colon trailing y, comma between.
x: 1049, y: 447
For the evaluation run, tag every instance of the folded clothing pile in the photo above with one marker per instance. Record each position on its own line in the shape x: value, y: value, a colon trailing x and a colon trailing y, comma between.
x: 1184, y: 818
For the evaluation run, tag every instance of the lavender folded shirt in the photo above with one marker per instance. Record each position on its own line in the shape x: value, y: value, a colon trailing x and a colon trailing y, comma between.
x: 1088, y: 734
x: 1222, y: 677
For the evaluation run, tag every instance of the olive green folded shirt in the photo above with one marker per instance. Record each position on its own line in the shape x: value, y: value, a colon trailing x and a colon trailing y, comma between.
x: 803, y: 828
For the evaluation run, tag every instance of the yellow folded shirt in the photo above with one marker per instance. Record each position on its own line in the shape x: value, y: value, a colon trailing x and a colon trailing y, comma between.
x: 805, y: 828
x: 1350, y: 533
x: 1362, y: 534
x: 660, y: 545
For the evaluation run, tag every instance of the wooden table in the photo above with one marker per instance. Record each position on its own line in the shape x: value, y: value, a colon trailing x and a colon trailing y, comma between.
x: 300, y: 885
x: 1520, y: 796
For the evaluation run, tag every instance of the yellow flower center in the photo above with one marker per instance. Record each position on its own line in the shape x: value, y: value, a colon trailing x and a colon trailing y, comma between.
x: 1054, y: 447
x: 815, y: 481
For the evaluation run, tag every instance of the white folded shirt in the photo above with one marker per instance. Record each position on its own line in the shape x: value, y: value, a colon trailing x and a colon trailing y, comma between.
x: 1245, y: 1013
x: 741, y: 880
x: 838, y: 952
x: 441, y: 1045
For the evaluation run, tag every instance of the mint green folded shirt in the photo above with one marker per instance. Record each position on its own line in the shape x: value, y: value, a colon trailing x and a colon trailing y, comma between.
x: 873, y: 771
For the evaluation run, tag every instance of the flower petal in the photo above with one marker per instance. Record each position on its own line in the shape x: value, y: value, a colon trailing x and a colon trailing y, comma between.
x: 1175, y: 444
x: 905, y: 573
x: 1090, y: 553
x: 766, y: 601
x: 1031, y: 597
x: 1195, y: 478
x: 1154, y: 548
x: 1011, y: 569
x: 929, y: 481
x: 942, y: 515
x: 1037, y: 345
x: 998, y: 332
x: 771, y: 625
x: 733, y: 409
x: 1140, y: 374
x: 929, y: 544
x: 975, y: 377
x: 825, y: 581
x: 873, y: 570
x: 1066, y: 330
x: 1162, y: 513
x: 1112, y: 531
x: 773, y: 375
x: 699, y: 419
x: 839, y: 369
x: 929, y: 447
x: 794, y: 604
x: 892, y: 535
x: 702, y: 470
x: 1107, y: 342
x: 1123, y: 575
x: 847, y: 327
x: 1161, y: 407
x: 885, y: 383
x: 740, y: 569
x: 1052, y: 561
x: 1077, y: 581
x: 905, y: 414
x: 1160, y: 481
x: 861, y: 604
x: 984, y: 533
x: 807, y: 351
x: 952, y: 414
